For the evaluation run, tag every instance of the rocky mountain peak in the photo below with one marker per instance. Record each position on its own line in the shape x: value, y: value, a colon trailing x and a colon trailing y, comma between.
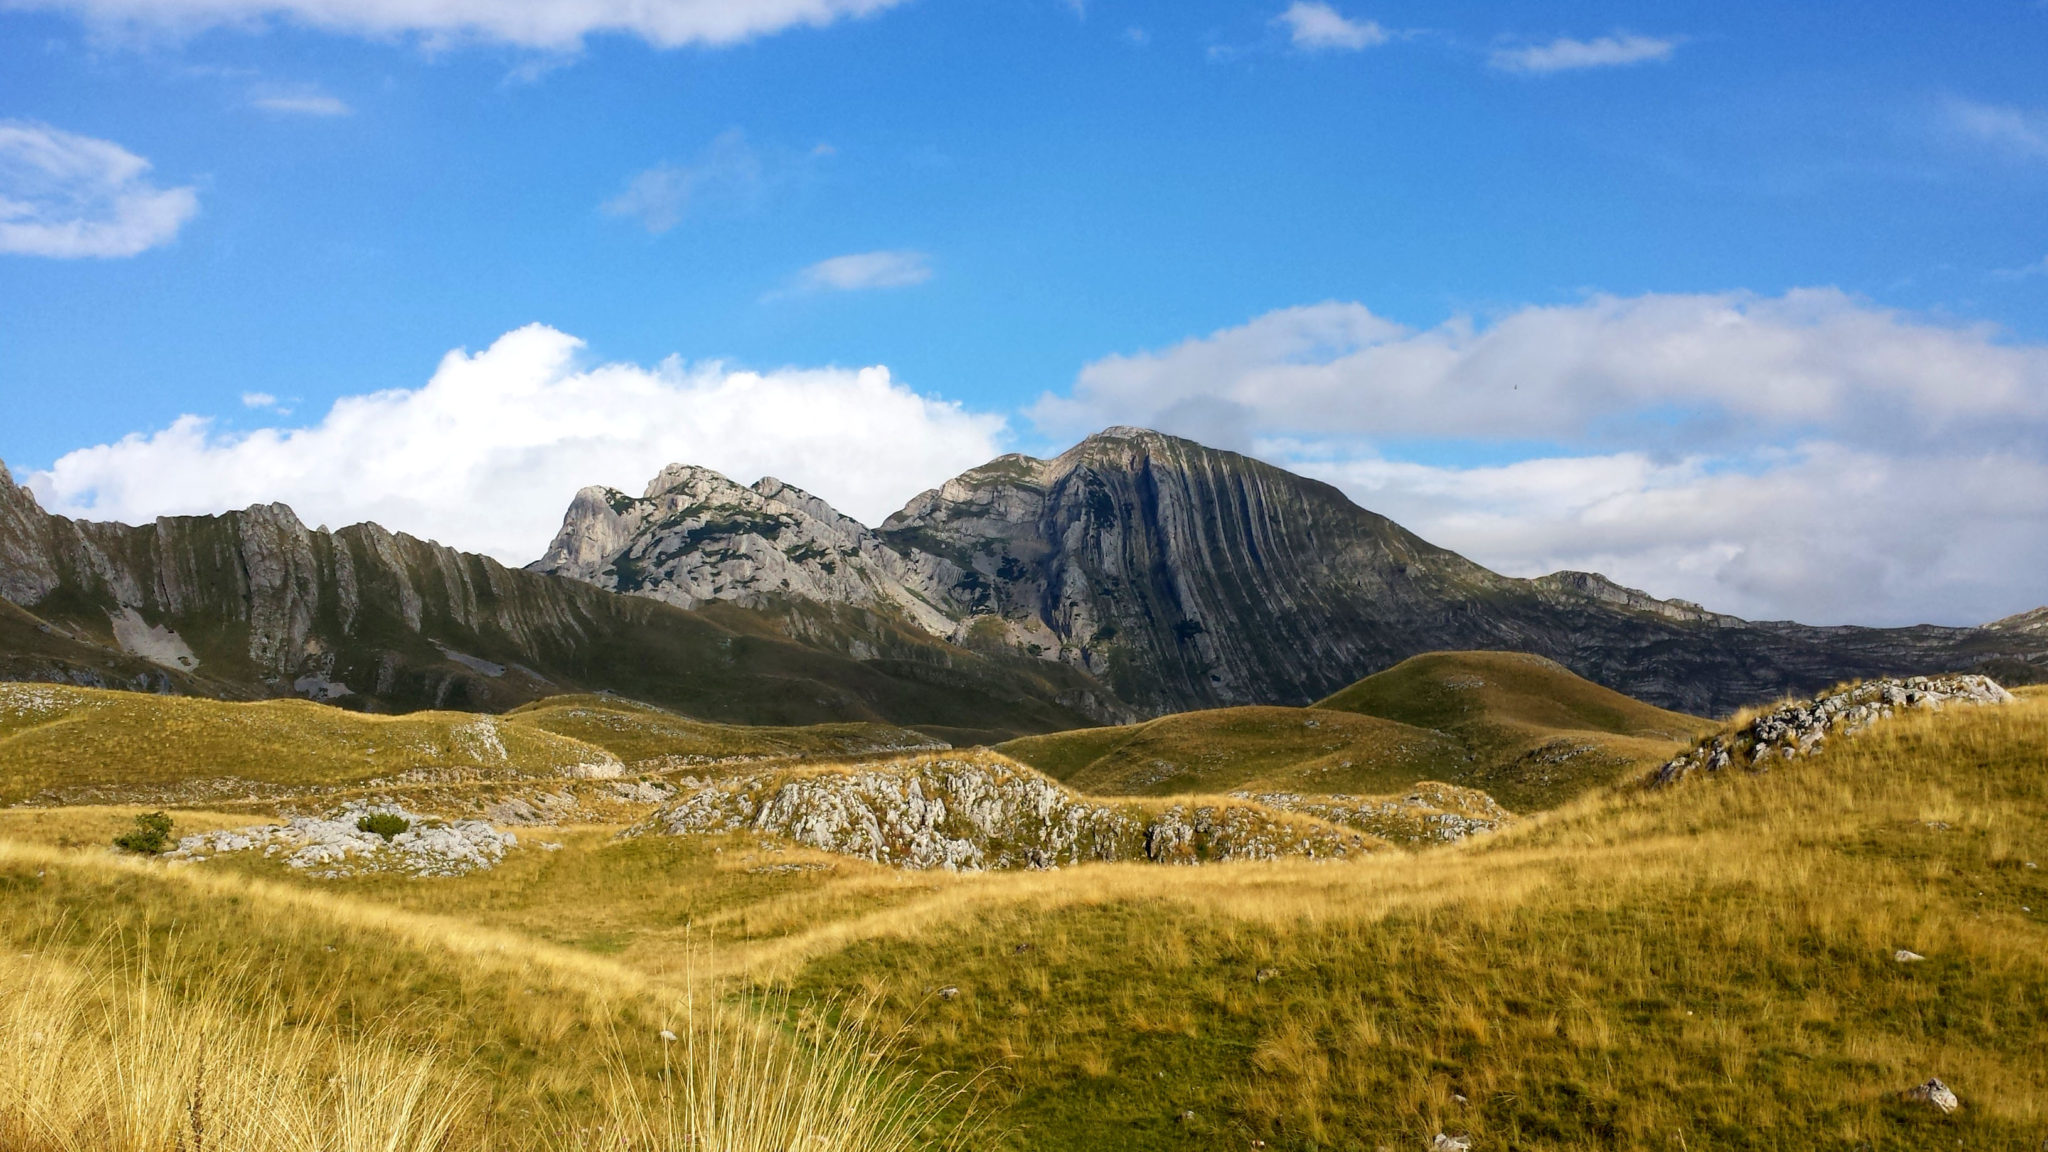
x: 1186, y: 576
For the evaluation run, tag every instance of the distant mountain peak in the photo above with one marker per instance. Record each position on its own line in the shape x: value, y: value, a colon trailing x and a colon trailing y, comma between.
x: 1188, y: 576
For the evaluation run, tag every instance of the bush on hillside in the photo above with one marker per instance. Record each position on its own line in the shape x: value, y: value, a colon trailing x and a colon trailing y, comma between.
x: 151, y: 835
x: 385, y: 824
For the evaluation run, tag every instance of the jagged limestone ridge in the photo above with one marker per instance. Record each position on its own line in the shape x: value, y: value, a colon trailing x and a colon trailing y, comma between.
x: 370, y: 618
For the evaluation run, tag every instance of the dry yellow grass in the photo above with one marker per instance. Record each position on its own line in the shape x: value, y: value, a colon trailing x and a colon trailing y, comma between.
x: 1706, y: 966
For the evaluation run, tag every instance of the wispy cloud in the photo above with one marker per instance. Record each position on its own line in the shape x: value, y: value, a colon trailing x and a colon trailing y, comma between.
x: 1316, y: 27
x: 858, y: 271
x: 727, y: 173
x: 546, y: 24
x: 258, y: 400
x: 2017, y: 132
x: 1565, y: 54
x: 67, y: 196
x: 298, y: 101
x: 2037, y: 268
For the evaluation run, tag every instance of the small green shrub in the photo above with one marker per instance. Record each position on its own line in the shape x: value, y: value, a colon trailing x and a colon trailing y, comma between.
x: 150, y: 836
x: 385, y: 824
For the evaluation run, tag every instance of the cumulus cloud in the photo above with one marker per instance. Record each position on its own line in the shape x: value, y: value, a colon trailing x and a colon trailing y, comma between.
x: 1806, y: 455
x: 727, y: 174
x: 486, y: 455
x: 1565, y: 54
x: 1704, y: 368
x: 544, y: 24
x: 862, y: 270
x: 67, y: 196
x: 1317, y: 27
x: 2018, y: 132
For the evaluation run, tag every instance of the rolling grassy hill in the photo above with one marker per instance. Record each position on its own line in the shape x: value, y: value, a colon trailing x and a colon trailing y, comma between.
x: 1520, y: 727
x: 84, y: 745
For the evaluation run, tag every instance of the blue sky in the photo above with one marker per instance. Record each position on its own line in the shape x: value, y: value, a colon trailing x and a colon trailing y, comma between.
x: 1037, y: 207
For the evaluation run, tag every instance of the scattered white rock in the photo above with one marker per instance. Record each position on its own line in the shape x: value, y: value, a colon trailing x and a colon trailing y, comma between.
x: 1935, y: 1095
x: 1444, y: 1143
x: 333, y: 846
x: 1906, y: 956
x: 1802, y: 728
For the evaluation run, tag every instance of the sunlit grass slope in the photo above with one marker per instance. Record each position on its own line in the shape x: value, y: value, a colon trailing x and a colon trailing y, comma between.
x: 1216, y: 750
x: 1708, y: 966
x: 82, y: 744
x: 77, y: 745
x: 1535, y: 733
x: 1519, y: 727
x: 150, y: 1009
x: 639, y: 733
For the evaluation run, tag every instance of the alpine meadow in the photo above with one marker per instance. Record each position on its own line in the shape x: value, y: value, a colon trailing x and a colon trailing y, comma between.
x: 1035, y: 576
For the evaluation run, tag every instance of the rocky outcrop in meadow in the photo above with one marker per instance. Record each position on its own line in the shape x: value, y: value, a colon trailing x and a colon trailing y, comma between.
x: 1803, y: 728
x: 974, y: 811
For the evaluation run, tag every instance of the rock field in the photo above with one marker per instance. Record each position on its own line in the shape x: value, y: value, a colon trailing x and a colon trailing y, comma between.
x: 333, y: 846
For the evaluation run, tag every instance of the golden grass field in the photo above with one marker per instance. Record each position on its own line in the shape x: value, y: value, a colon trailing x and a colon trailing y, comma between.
x: 1706, y: 966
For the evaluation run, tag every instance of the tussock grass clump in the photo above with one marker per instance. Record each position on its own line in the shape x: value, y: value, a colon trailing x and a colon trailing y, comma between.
x: 113, y: 1060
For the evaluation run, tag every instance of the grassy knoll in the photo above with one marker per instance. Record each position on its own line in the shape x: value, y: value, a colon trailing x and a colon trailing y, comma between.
x: 641, y: 733
x: 1521, y: 728
x: 1276, y: 749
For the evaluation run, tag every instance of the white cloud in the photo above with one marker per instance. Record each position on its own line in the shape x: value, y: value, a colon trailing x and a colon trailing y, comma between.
x: 727, y: 174
x: 862, y: 270
x: 486, y: 455
x: 545, y: 24
x: 67, y: 196
x: 1565, y: 54
x: 299, y: 101
x: 258, y: 400
x: 2015, y: 131
x: 1701, y: 367
x: 1316, y: 27
x: 1805, y: 456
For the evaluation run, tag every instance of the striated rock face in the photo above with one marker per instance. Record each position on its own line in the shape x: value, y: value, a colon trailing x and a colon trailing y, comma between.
x: 973, y: 812
x: 1803, y: 728
x: 253, y: 603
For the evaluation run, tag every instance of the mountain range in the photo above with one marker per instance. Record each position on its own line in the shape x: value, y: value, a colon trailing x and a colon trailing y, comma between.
x: 1133, y: 575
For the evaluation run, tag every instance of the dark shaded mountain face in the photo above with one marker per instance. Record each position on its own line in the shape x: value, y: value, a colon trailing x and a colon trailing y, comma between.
x: 253, y: 604
x: 1187, y: 577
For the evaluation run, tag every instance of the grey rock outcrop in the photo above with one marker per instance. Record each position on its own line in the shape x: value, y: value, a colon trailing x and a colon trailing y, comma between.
x: 1803, y: 728
x: 975, y: 812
